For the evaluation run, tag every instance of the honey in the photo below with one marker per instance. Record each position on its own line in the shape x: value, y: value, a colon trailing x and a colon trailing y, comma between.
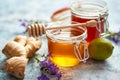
x: 83, y: 11
x: 62, y: 43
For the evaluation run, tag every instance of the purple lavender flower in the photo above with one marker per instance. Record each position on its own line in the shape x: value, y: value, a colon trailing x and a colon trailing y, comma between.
x: 47, y: 67
x: 115, y: 39
x: 58, y: 75
x: 43, y: 77
x: 23, y: 24
x: 115, y: 36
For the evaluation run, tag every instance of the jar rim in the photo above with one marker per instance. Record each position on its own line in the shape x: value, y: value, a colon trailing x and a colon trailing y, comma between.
x: 89, y: 8
x: 80, y: 37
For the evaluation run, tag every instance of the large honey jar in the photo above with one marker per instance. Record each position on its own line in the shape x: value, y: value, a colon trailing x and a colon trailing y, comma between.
x: 67, y: 47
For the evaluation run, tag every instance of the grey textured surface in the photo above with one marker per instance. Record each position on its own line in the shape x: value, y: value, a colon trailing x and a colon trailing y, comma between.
x: 13, y: 10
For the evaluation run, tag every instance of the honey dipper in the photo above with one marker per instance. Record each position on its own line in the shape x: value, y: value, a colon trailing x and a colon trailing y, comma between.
x: 36, y: 30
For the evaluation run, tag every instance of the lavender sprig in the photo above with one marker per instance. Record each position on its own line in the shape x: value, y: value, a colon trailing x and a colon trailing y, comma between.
x: 48, y: 69
x: 43, y: 77
x: 26, y: 23
x: 115, y: 36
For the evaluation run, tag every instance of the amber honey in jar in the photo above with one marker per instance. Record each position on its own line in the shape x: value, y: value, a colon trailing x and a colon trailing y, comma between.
x: 85, y: 10
x: 67, y: 47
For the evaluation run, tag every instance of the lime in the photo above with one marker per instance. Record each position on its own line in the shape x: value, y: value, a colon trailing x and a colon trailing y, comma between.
x: 100, y: 49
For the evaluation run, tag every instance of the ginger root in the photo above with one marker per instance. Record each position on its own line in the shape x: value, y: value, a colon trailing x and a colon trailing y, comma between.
x: 16, y: 66
x: 21, y: 39
x: 21, y: 46
x: 13, y: 48
x: 32, y: 46
x: 18, y: 51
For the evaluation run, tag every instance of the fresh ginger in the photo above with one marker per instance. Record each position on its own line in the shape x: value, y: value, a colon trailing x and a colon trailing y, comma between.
x: 16, y: 66
x: 19, y: 50
x: 21, y: 40
x: 32, y: 45
x: 21, y: 46
x: 13, y: 48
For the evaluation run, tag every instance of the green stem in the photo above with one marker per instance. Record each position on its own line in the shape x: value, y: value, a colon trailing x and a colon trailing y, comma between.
x: 39, y: 55
x: 113, y: 34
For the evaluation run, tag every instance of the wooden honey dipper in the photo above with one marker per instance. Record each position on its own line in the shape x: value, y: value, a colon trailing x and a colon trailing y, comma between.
x: 36, y: 30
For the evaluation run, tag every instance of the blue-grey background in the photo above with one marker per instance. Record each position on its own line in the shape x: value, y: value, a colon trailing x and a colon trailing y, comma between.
x: 13, y: 10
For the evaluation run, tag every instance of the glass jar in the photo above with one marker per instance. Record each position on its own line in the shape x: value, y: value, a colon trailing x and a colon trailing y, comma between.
x: 67, y: 47
x: 85, y: 10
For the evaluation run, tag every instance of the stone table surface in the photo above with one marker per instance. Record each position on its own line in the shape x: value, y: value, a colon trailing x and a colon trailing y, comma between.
x: 13, y: 10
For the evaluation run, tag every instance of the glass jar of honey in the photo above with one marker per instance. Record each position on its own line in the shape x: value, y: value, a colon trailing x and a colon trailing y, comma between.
x: 85, y: 10
x: 67, y: 47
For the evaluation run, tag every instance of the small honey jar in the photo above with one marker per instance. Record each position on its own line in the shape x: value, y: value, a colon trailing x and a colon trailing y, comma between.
x: 67, y: 47
x: 85, y: 10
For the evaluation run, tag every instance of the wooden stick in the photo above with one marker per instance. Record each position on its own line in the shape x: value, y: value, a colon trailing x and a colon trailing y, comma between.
x: 91, y: 23
x: 39, y: 29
